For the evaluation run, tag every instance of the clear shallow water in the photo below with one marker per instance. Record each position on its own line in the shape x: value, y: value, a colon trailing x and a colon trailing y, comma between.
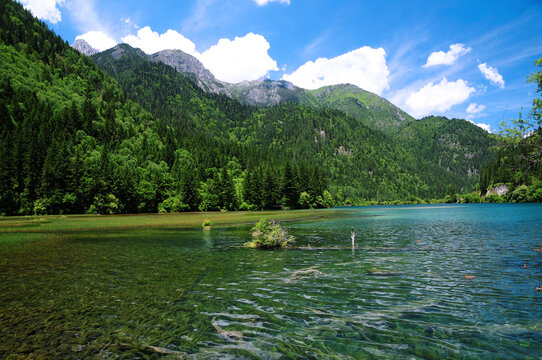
x: 402, y: 293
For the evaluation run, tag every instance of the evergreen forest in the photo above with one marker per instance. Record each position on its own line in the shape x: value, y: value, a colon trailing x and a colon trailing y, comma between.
x: 118, y: 133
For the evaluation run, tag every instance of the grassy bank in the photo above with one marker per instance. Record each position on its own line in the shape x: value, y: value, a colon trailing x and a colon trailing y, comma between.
x: 32, y: 228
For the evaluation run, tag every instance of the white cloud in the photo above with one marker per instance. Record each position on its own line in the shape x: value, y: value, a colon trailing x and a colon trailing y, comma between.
x: 474, y: 108
x: 492, y: 74
x: 98, y: 40
x: 243, y: 58
x: 437, y: 98
x: 129, y: 22
x: 447, y: 58
x: 44, y: 9
x: 486, y: 127
x: 365, y: 67
x: 265, y: 2
x: 151, y: 42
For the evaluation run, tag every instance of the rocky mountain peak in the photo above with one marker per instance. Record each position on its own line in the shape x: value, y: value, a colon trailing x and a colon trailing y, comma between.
x: 84, y: 47
x: 183, y: 62
x: 193, y: 68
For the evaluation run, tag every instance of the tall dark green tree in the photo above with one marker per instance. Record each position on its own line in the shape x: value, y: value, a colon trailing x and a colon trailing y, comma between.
x: 226, y: 191
x: 289, y: 186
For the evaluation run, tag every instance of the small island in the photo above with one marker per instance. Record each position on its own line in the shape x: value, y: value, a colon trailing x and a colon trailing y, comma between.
x: 268, y: 234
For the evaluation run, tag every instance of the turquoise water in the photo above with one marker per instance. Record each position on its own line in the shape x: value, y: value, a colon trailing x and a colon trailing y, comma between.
x: 401, y: 293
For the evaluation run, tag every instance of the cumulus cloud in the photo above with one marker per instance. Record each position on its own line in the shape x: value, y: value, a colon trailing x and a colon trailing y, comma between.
x: 265, y: 2
x: 365, y: 67
x: 44, y: 9
x: 486, y: 127
x: 243, y: 58
x: 98, y: 40
x: 447, y: 58
x: 492, y: 74
x: 151, y: 42
x: 474, y: 108
x: 438, y: 98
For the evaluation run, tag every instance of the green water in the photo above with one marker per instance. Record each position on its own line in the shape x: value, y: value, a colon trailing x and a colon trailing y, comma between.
x: 401, y: 294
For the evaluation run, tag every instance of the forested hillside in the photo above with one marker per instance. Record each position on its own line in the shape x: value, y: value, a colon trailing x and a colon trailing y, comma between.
x: 518, y: 164
x: 138, y: 136
x: 72, y: 141
x: 360, y: 162
x: 455, y: 145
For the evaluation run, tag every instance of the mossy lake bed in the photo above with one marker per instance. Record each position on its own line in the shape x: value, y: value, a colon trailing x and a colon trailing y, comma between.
x: 149, y: 286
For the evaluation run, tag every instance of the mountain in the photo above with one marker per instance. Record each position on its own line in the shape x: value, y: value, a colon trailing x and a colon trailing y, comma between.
x: 455, y: 145
x: 458, y: 146
x: 363, y: 162
x: 371, y: 109
x: 265, y: 93
x: 84, y: 47
x: 120, y: 132
x: 72, y: 142
x: 192, y: 68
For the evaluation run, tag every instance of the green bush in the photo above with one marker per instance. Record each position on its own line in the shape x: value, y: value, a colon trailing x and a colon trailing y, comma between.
x: 494, y: 198
x: 471, y: 198
x: 329, y: 202
x: 206, y: 222
x: 537, y: 196
x: 304, y: 200
x: 172, y: 204
x: 268, y: 234
x: 520, y: 194
x: 40, y: 206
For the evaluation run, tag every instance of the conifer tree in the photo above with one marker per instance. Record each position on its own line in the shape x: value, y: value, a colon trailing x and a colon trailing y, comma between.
x: 289, y: 188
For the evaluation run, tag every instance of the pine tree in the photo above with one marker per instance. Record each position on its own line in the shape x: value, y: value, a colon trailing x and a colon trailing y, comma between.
x: 289, y: 187
x: 226, y: 191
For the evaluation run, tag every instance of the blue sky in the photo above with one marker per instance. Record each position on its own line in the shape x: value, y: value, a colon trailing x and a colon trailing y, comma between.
x: 465, y: 59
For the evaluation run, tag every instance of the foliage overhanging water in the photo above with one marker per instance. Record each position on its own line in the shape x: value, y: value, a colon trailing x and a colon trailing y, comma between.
x: 191, y: 294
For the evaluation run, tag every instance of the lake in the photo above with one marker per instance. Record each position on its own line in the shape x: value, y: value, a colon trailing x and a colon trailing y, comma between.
x: 190, y: 293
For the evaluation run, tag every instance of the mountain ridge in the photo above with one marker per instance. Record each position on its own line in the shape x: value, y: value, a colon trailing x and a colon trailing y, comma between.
x: 120, y: 133
x: 265, y: 92
x: 243, y: 128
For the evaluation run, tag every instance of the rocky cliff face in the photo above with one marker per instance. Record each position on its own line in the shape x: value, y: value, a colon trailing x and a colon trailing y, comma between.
x: 84, y: 47
x: 193, y: 68
x: 265, y: 92
x: 183, y: 62
x: 499, y: 190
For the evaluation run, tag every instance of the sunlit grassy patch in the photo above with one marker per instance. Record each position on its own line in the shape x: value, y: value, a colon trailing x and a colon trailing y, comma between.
x: 21, y: 229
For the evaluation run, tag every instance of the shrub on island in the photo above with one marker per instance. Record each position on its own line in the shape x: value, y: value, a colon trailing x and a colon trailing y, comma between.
x: 268, y: 234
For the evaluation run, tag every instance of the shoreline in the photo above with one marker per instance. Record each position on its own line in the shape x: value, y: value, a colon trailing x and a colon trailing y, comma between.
x: 19, y: 229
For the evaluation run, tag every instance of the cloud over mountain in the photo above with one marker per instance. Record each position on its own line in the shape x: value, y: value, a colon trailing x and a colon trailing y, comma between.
x: 437, y: 98
x: 151, y: 42
x: 243, y: 58
x: 364, y: 67
x: 98, y: 40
